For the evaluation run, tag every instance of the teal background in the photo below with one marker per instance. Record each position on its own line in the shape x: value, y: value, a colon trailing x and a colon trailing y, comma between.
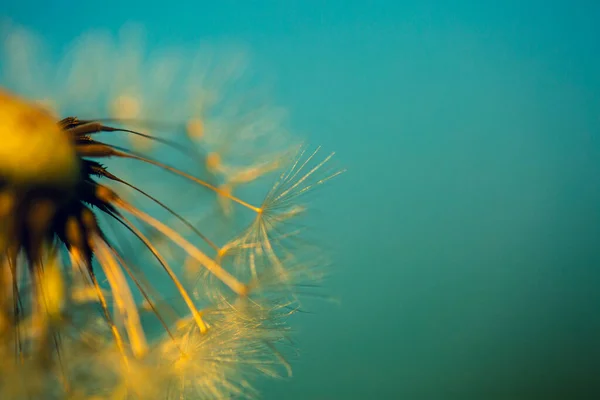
x: 467, y: 228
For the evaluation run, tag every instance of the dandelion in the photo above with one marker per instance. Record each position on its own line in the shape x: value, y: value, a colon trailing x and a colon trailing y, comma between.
x: 95, y: 300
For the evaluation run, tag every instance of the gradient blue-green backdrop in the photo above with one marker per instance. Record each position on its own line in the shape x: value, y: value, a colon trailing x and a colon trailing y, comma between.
x: 467, y: 229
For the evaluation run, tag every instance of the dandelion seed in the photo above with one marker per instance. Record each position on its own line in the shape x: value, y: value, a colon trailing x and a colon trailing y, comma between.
x: 262, y: 253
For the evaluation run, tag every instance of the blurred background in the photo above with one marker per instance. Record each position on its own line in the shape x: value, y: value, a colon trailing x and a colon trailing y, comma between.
x: 466, y: 232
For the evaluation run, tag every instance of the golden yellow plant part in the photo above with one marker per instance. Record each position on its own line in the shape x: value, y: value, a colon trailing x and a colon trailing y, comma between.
x: 34, y: 150
x: 83, y: 313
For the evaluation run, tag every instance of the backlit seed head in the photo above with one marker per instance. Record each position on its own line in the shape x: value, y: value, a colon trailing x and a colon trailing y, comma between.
x: 134, y: 285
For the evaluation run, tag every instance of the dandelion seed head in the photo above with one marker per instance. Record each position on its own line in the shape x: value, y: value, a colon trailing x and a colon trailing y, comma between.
x: 131, y: 265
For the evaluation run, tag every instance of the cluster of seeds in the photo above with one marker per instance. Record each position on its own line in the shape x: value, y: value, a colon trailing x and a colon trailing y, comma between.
x: 131, y: 266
